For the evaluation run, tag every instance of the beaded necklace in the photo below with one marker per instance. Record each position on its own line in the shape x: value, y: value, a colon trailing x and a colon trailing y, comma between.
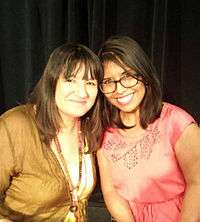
x: 74, y: 211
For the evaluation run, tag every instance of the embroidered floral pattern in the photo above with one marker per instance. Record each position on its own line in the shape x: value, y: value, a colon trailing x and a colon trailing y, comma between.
x: 134, y: 151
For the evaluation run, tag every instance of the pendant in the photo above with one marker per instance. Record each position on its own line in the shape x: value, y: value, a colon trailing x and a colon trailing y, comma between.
x: 73, y: 208
x: 71, y: 217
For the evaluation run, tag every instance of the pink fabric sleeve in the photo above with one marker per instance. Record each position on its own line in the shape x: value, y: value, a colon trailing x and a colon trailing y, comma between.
x: 179, y: 120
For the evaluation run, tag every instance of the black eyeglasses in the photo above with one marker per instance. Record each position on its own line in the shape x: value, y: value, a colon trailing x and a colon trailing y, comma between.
x: 127, y: 80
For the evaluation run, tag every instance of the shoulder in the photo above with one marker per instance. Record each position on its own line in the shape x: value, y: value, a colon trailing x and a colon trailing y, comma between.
x: 110, y: 134
x: 17, y: 118
x: 175, y: 121
x: 174, y: 113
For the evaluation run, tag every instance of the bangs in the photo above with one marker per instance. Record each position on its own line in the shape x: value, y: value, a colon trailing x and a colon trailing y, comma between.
x: 125, y: 64
x: 73, y: 66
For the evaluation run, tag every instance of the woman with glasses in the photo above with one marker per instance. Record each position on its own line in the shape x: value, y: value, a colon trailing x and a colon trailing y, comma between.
x: 47, y: 169
x: 150, y: 157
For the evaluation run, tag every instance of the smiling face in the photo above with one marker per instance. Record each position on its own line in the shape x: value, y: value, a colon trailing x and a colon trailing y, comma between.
x: 76, y: 95
x: 127, y: 100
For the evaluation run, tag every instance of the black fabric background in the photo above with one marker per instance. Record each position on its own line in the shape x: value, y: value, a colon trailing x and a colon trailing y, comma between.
x: 169, y: 31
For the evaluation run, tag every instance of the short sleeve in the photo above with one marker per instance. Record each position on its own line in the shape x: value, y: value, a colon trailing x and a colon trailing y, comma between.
x: 179, y: 120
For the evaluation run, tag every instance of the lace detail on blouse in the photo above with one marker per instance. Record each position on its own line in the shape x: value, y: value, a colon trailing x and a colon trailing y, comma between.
x: 134, y: 151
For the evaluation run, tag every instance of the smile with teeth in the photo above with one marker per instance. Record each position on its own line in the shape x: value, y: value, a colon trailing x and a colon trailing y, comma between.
x: 125, y: 99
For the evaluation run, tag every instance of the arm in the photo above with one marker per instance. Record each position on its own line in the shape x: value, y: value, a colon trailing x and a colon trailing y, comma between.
x: 117, y: 206
x: 188, y: 155
x: 6, y: 163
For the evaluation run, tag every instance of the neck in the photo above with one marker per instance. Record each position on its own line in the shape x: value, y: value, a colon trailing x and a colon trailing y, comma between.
x: 70, y: 125
x: 131, y: 119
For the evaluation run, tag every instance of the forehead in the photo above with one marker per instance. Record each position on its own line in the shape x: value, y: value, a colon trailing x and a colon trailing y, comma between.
x: 79, y: 71
x: 114, y: 70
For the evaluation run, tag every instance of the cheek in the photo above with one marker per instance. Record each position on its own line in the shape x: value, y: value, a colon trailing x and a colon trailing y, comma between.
x: 141, y: 91
x: 93, y: 96
x: 63, y: 92
x: 92, y: 92
x: 58, y: 90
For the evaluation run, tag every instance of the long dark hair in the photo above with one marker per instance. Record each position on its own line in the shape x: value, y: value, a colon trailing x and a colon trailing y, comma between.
x: 126, y: 52
x: 65, y: 59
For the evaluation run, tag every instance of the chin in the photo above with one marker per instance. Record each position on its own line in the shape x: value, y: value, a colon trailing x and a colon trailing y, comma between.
x: 80, y: 114
x: 128, y: 108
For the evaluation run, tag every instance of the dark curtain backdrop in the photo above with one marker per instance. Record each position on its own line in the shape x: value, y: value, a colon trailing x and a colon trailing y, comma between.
x: 169, y: 31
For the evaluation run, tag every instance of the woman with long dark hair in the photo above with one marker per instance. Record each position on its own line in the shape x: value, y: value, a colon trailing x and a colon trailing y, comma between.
x: 46, y: 164
x: 150, y: 158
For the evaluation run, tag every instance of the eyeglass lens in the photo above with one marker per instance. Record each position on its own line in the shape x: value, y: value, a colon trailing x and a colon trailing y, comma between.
x: 110, y: 85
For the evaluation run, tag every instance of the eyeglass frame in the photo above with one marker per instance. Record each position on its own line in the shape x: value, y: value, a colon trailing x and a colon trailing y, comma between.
x: 119, y: 80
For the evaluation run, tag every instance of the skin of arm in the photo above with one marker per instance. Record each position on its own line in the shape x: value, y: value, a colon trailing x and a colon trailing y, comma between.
x: 188, y: 154
x: 117, y: 206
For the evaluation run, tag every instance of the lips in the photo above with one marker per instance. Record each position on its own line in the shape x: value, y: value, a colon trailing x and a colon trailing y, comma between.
x: 125, y: 99
x: 79, y: 101
x: 75, y: 101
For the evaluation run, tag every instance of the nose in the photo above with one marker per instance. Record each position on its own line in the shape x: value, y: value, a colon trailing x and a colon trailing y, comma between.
x: 82, y: 90
x: 119, y: 88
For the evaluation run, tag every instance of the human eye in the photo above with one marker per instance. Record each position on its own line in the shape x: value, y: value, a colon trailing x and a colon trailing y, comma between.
x: 127, y: 76
x: 107, y: 81
x: 70, y: 80
x: 91, y: 82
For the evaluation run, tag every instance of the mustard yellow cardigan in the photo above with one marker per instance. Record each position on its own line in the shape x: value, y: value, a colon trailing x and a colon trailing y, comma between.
x: 32, y: 184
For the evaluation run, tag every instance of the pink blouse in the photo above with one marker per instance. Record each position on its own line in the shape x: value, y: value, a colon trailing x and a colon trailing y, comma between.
x: 145, y: 170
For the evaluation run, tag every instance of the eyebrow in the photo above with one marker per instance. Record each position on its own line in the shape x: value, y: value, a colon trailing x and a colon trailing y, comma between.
x: 126, y: 71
